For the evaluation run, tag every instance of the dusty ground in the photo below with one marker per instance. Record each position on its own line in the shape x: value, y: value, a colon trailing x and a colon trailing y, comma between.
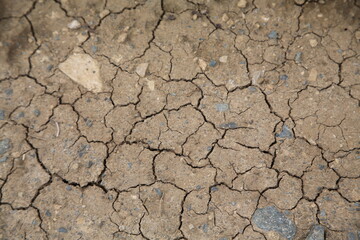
x: 180, y: 119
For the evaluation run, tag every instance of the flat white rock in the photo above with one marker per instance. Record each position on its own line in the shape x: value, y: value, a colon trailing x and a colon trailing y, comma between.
x: 141, y: 69
x: 84, y: 70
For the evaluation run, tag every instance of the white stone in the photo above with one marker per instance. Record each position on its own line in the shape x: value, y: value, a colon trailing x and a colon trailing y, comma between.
x: 75, y: 24
x: 202, y: 64
x: 223, y: 59
x: 141, y: 69
x: 242, y: 4
x: 313, y: 42
x: 84, y: 70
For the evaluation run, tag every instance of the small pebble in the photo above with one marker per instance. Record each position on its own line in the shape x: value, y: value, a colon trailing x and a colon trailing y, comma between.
x: 273, y: 35
x: 141, y: 69
x: 357, y: 35
x: 5, y: 145
x: 48, y: 213
x: 284, y: 77
x: 9, y: 91
x: 229, y: 125
x: 313, y: 42
x: 62, y: 230
x: 2, y: 114
x: 171, y: 17
x: 242, y: 4
x: 222, y: 107
x: 223, y: 59
x: 158, y: 192
x: 212, y: 63
x: 49, y: 67
x: 122, y: 37
x: 202, y: 64
x: 74, y: 24
x: 300, y: 2
x: 312, y: 75
x: 37, y: 112
x: 285, y: 132
x: 225, y: 17
x: 104, y: 13
x: 194, y: 17
x: 94, y: 49
x: 298, y: 57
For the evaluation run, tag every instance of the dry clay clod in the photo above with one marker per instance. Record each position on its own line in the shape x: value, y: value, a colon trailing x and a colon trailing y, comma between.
x: 84, y: 70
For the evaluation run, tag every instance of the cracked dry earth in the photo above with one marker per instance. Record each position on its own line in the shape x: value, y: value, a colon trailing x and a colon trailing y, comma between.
x: 180, y: 119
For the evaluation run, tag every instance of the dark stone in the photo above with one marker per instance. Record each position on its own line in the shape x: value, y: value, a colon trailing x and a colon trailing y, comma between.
x: 212, y: 63
x: 285, y: 132
x: 270, y: 219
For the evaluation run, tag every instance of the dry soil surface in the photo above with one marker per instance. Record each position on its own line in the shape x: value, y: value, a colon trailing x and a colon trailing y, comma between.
x: 180, y: 119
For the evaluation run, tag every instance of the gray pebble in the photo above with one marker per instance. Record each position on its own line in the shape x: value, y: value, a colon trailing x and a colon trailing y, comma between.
x: 158, y: 191
x: 48, y: 213
x: 298, y: 57
x: 89, y: 164
x: 62, y: 230
x: 37, y: 112
x: 49, y: 67
x: 83, y: 150
x: 214, y: 189
x: 69, y: 188
x: 205, y: 228
x: 3, y: 159
x: 273, y: 35
x: 222, y: 107
x: 9, y: 91
x: 351, y: 236
x: 284, y: 77
x: 2, y: 114
x: 228, y: 125
x: 212, y: 63
x: 5, y: 145
x: 316, y: 233
x: 88, y: 122
x: 20, y: 115
x: 285, y: 132
x: 270, y: 219
x: 94, y: 49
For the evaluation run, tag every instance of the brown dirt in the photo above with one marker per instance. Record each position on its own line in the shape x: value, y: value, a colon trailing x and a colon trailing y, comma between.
x: 180, y: 119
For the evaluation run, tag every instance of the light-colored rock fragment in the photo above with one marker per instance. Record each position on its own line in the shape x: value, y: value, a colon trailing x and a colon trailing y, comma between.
x: 313, y: 42
x: 75, y: 24
x: 141, y: 69
x: 225, y: 17
x: 122, y: 37
x: 84, y: 70
x: 202, y: 64
x: 223, y: 59
x: 242, y: 4
x: 357, y: 35
x: 104, y: 13
x: 312, y: 75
